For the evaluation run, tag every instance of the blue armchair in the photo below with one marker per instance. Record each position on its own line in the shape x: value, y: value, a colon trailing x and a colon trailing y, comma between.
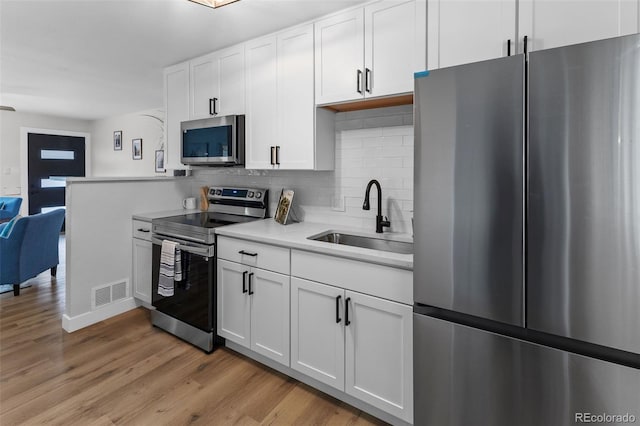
x: 30, y: 247
x: 9, y: 207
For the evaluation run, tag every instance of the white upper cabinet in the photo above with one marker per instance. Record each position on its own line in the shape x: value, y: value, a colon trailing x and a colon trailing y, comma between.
x: 370, y: 52
x: 262, y: 113
x: 176, y: 98
x: 203, y: 90
x: 467, y: 31
x: 549, y: 24
x: 339, y: 55
x: 231, y: 66
x: 283, y: 128
x: 394, y: 46
x: 461, y: 32
x: 217, y: 84
x: 296, y: 106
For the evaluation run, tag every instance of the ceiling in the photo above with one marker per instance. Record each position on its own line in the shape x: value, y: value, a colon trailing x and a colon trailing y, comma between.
x: 91, y: 59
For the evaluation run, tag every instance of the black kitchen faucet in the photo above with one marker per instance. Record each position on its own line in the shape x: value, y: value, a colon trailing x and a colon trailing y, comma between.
x: 380, y: 223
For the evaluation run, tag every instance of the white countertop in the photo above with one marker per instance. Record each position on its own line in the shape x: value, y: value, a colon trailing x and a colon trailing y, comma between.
x: 295, y: 236
x: 71, y: 179
x: 148, y: 217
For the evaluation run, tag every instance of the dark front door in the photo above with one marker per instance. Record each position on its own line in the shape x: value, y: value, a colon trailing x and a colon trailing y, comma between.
x: 51, y: 158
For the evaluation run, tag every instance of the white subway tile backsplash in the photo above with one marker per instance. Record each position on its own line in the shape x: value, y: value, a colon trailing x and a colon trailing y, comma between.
x: 398, y: 131
x: 370, y: 144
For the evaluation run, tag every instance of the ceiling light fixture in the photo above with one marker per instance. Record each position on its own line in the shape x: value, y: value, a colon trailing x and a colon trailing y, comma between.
x: 214, y: 3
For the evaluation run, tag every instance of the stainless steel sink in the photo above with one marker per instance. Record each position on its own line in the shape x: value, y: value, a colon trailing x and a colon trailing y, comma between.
x: 401, y: 247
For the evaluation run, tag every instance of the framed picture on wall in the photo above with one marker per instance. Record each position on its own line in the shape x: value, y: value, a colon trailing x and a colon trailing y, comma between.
x: 117, y: 140
x: 136, y: 146
x: 160, y: 161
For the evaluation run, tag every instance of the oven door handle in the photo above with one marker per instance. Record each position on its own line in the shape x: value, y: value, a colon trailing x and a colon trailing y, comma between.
x: 206, y: 251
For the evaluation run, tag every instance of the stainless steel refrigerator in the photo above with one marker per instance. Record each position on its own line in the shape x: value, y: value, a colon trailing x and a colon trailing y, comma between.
x: 527, y: 239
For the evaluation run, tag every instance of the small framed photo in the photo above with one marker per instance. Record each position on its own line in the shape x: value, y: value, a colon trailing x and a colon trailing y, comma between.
x: 136, y: 146
x: 160, y: 161
x: 117, y: 140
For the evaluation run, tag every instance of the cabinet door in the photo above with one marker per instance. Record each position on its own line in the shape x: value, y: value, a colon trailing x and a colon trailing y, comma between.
x: 176, y: 99
x: 203, y: 87
x: 142, y: 260
x: 339, y: 54
x: 233, y: 302
x: 231, y: 68
x: 317, y: 331
x: 466, y: 31
x: 270, y: 314
x: 379, y: 354
x: 296, y: 106
x: 261, y: 121
x: 562, y: 22
x: 395, y: 45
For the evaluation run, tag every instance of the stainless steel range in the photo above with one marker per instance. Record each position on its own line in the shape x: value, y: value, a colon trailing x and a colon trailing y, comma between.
x: 191, y: 312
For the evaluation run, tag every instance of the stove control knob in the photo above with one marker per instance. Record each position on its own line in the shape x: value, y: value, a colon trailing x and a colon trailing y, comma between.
x: 258, y: 194
x: 218, y: 192
x: 250, y: 194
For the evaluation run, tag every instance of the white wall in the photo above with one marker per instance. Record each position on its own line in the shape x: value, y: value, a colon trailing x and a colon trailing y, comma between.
x: 10, y: 160
x: 107, y: 162
x: 99, y: 232
x: 370, y: 144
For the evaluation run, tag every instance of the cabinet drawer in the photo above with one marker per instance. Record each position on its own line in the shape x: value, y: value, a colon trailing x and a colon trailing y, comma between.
x: 250, y: 253
x: 142, y: 230
x: 368, y: 278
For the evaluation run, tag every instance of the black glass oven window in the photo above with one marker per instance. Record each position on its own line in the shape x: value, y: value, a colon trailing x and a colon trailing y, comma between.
x: 208, y: 142
x: 193, y: 298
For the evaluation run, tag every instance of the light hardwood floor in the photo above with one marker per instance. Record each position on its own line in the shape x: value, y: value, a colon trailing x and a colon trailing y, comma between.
x: 124, y: 371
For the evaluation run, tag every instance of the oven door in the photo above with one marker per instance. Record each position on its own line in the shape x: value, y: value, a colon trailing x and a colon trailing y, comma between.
x: 193, y: 298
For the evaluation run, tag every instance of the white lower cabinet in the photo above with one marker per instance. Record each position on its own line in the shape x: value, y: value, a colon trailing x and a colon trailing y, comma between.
x: 142, y: 251
x: 379, y: 353
x: 253, y: 309
x: 359, y: 344
x: 317, y: 331
x: 345, y: 323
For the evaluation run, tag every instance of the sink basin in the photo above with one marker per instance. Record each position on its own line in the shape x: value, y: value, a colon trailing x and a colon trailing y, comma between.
x: 364, y: 242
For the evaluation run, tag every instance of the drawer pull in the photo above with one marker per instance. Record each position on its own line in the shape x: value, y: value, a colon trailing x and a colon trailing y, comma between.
x: 248, y: 253
x: 143, y: 230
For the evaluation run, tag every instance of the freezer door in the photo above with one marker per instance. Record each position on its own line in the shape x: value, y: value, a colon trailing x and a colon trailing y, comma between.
x: 584, y: 200
x: 466, y: 376
x: 468, y: 189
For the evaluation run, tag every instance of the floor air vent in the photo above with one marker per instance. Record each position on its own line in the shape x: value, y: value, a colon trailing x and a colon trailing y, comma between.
x: 109, y: 293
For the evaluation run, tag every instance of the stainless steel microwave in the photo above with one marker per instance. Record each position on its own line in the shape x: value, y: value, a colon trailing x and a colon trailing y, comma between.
x: 216, y: 141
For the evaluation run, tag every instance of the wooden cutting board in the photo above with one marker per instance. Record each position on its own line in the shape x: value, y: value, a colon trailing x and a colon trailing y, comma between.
x: 204, y: 201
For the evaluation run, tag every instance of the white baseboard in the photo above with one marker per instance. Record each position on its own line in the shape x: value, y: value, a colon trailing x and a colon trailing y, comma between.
x: 71, y: 324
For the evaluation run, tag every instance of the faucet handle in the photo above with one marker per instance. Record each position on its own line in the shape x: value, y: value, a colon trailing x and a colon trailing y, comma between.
x: 385, y: 222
